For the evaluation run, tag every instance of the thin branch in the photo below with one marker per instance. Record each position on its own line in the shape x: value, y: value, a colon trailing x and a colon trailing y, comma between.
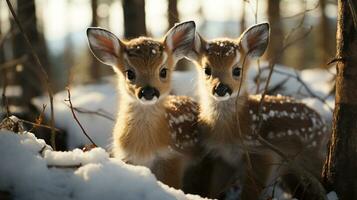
x: 298, y: 169
x: 304, y: 85
x: 42, y: 69
x: 39, y: 125
x: 352, y: 6
x: 65, y: 166
x: 13, y: 62
x: 75, y: 117
x: 98, y: 112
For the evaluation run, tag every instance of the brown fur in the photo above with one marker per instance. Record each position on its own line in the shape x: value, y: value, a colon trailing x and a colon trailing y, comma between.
x: 227, y: 125
x: 151, y: 135
x: 152, y: 128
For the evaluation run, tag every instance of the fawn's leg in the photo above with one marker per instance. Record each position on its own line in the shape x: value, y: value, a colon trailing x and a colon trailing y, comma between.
x: 197, y: 177
x: 223, y: 175
x: 256, y: 175
x: 170, y: 171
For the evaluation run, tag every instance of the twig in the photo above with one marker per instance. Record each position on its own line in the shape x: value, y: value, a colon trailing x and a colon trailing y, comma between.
x: 352, y: 6
x: 299, y: 170
x: 304, y: 85
x: 75, y: 117
x: 99, y: 112
x: 39, y: 125
x: 42, y: 69
x: 334, y: 60
x: 4, y: 101
x: 13, y: 62
x: 65, y: 166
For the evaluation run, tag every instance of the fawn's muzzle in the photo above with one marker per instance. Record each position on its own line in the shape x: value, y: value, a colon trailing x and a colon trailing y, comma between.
x: 148, y: 93
x: 222, y: 90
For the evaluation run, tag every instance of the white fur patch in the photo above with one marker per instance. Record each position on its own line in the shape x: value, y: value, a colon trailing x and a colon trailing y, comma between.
x: 149, y: 102
x: 224, y: 98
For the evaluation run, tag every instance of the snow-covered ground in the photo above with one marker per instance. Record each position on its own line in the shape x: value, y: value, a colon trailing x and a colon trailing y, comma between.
x: 30, y: 169
x: 102, y: 98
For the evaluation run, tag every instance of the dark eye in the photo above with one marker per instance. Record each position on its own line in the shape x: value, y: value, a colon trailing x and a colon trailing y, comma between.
x: 208, y: 71
x: 130, y: 74
x: 163, y: 73
x: 236, y: 71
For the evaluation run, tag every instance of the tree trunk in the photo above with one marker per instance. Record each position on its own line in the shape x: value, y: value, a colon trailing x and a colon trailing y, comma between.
x: 95, y: 65
x: 340, y: 172
x: 26, y: 78
x: 172, y: 13
x: 323, y: 36
x: 242, y: 19
x: 276, y: 42
x: 134, y: 18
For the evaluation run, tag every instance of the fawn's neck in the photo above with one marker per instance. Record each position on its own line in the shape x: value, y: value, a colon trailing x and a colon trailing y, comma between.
x: 141, y: 131
x: 225, y: 121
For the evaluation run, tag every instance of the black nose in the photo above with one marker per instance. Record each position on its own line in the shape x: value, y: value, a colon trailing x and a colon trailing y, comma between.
x: 222, y: 89
x: 148, y: 93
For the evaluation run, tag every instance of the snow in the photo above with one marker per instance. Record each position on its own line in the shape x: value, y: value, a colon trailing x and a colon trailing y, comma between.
x: 95, y: 97
x: 32, y: 170
x: 102, y: 97
x: 332, y: 196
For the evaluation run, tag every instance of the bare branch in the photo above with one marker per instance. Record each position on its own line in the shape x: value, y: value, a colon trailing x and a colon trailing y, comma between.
x: 352, y: 6
x: 13, y: 62
x: 75, y: 117
x: 98, y: 112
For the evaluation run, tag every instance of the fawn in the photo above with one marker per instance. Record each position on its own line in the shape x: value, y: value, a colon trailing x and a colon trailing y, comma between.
x: 228, y: 116
x: 152, y: 128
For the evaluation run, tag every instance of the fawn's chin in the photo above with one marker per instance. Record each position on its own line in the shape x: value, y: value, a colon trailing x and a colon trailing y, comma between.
x: 149, y: 102
x: 220, y: 98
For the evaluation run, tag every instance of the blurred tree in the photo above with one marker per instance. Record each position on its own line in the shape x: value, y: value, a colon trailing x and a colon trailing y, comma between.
x: 134, y: 18
x: 323, y: 36
x: 172, y: 13
x: 173, y: 18
x: 242, y: 19
x: 340, y: 172
x: 27, y: 74
x: 94, y: 63
x: 276, y: 42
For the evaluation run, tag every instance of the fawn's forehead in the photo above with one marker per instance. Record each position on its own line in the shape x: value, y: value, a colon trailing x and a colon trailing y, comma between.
x: 144, y: 52
x: 222, y: 52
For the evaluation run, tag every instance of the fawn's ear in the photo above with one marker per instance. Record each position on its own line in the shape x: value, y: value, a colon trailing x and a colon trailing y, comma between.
x: 179, y: 39
x: 255, y: 39
x: 197, y: 48
x: 104, y: 45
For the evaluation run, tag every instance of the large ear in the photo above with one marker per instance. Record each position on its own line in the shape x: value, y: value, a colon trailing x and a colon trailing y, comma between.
x: 197, y: 48
x: 104, y: 45
x: 179, y: 39
x: 255, y: 39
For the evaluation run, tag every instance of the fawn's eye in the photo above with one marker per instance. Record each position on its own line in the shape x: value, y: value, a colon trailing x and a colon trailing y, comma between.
x: 208, y: 71
x: 130, y: 74
x: 163, y: 73
x: 236, y: 71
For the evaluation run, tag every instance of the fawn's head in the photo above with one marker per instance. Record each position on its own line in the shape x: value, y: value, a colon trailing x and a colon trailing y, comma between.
x: 144, y: 64
x: 220, y: 61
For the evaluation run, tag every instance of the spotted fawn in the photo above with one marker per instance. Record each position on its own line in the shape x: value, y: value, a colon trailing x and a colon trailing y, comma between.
x: 228, y: 115
x: 152, y: 128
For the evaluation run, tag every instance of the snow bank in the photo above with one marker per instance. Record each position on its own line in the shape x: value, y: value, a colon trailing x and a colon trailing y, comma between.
x: 31, y: 170
x: 94, y: 97
x: 102, y: 97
